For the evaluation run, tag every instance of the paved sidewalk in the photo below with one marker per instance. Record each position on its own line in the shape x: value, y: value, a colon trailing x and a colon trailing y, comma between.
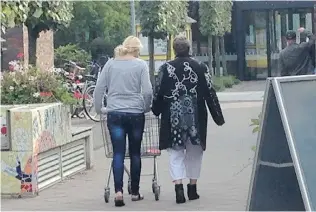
x: 251, y: 96
x: 223, y: 185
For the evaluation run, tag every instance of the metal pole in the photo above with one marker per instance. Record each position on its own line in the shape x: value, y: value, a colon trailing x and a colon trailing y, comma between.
x: 133, y: 27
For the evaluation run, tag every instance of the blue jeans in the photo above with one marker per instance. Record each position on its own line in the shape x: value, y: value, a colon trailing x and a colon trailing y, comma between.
x: 121, y: 124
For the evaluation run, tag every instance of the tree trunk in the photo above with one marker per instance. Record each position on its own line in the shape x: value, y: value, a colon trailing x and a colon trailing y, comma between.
x: 210, y: 53
x: 151, y: 52
x: 222, y: 43
x: 217, y: 57
x: 198, y: 39
x: 32, y: 47
x: 169, y: 48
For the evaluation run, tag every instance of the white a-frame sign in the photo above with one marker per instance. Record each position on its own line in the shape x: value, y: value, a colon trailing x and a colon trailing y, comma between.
x: 284, y: 170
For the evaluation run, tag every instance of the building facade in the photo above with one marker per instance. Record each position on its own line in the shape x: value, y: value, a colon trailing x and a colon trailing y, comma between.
x: 258, y: 35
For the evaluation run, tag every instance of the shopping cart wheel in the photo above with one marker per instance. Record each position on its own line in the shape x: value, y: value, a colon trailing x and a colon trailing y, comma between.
x: 153, y: 187
x: 129, y: 187
x: 156, y: 191
x: 107, y: 195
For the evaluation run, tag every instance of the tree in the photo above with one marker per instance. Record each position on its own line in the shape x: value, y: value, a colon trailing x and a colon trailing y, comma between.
x: 207, y: 24
x: 226, y: 27
x: 159, y: 19
x: 215, y: 17
x: 38, y: 16
x: 106, y: 20
x: 193, y: 12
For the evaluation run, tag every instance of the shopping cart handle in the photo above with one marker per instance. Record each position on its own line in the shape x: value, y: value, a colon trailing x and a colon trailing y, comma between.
x: 153, y: 151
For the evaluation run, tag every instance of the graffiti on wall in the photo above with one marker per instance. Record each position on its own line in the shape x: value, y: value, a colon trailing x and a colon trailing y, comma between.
x: 17, y: 173
x: 32, y: 132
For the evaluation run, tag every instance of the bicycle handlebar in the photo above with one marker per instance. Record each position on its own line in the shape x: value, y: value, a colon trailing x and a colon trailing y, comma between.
x: 71, y: 63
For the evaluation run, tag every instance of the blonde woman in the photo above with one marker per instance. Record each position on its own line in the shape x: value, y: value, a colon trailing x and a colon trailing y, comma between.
x: 129, y: 95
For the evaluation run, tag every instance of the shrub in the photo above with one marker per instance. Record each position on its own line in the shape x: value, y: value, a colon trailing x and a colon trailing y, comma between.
x: 33, y: 86
x: 220, y: 83
x: 73, y: 53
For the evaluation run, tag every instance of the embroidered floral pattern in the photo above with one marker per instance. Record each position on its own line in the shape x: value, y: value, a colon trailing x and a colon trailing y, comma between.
x: 183, y: 106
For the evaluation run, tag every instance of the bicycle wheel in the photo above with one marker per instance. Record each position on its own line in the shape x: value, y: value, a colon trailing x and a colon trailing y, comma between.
x: 88, y: 104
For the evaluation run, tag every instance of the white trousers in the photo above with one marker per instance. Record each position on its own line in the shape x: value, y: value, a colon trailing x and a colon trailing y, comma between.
x: 185, y: 163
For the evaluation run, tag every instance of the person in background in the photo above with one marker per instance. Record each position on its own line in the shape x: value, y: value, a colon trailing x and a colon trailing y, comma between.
x: 305, y: 37
x: 296, y: 59
x: 182, y: 87
x: 129, y: 95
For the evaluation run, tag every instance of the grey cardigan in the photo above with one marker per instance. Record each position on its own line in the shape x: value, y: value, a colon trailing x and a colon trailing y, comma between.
x: 127, y: 84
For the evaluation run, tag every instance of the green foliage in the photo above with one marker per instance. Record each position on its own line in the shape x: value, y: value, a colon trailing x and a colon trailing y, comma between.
x: 100, y: 47
x: 37, y: 15
x: 215, y: 17
x: 33, y: 86
x: 256, y: 124
x: 13, y: 13
x: 160, y: 18
x: 73, y: 53
x: 220, y: 83
x: 108, y: 20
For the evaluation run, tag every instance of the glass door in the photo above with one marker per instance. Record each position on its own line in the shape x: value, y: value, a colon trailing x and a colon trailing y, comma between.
x: 256, y: 44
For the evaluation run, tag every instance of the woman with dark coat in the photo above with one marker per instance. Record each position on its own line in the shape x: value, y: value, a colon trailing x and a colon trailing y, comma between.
x: 183, y: 86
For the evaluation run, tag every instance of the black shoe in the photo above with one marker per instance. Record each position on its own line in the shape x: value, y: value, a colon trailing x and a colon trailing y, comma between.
x: 179, y: 194
x: 192, y: 195
x: 119, y: 202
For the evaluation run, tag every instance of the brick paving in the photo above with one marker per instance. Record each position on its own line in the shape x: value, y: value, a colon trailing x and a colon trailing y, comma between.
x: 223, y: 185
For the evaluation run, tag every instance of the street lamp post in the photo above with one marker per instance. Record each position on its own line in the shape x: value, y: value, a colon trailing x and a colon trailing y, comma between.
x: 133, y: 27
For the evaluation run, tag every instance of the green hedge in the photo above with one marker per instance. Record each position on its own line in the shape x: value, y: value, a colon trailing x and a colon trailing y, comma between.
x: 73, y: 53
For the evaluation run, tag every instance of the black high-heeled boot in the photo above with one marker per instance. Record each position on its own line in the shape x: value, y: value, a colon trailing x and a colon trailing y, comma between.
x: 119, y: 202
x: 192, y: 194
x: 179, y: 193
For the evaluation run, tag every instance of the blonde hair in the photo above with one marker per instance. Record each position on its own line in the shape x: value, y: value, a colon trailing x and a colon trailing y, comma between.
x: 117, y: 51
x: 131, y: 46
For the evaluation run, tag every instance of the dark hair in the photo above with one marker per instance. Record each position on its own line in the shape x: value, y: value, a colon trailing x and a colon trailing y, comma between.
x: 290, y: 35
x: 181, y: 46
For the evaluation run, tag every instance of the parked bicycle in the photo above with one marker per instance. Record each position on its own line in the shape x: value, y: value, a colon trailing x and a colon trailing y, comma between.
x: 72, y: 74
x: 82, y: 87
x: 88, y: 100
x: 95, y: 70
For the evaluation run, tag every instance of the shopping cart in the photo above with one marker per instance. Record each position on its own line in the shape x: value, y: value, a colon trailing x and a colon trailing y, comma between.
x: 149, y: 149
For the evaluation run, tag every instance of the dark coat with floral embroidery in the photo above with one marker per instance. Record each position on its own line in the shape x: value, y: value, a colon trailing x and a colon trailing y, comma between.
x: 183, y: 86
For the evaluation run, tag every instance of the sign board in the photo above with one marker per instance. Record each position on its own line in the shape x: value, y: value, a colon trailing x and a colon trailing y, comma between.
x: 159, y: 45
x: 284, y: 170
